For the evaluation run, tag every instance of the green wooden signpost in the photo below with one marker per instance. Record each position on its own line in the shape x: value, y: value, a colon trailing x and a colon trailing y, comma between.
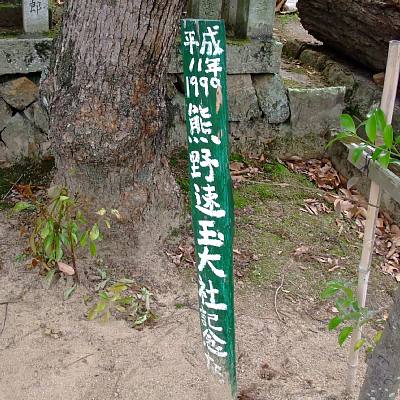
x: 204, y: 66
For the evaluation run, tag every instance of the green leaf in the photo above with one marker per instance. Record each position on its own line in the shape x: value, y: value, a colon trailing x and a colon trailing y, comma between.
x: 48, y: 279
x: 64, y: 198
x: 117, y: 288
x: 23, y: 206
x: 69, y: 292
x: 347, y: 123
x: 47, y: 244
x: 380, y: 119
x: 371, y: 128
x: 377, y: 152
x: 92, y: 248
x: 377, y: 337
x: 334, y: 322
x: 141, y: 320
x: 359, y: 344
x: 58, y: 249
x: 94, y: 233
x: 384, y: 160
x: 357, y: 153
x: 388, y: 136
x: 48, y: 227
x: 104, y: 296
x: 96, y: 310
x: 331, y: 289
x: 84, y: 238
x: 344, y: 334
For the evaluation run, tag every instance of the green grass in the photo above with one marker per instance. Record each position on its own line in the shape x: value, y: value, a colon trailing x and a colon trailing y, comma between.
x: 285, y: 19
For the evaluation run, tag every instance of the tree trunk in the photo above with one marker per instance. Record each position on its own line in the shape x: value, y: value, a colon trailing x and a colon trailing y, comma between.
x: 106, y: 93
x: 359, y: 29
x: 383, y: 374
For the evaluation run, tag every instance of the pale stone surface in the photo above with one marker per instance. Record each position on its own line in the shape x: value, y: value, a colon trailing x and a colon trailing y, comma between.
x: 22, y: 56
x: 19, y: 93
x: 5, y: 113
x: 272, y: 97
x: 38, y: 116
x: 242, y: 99
x: 315, y: 110
x: 253, y: 57
x: 35, y: 15
x: 261, y: 19
x: 205, y: 9
x: 19, y: 138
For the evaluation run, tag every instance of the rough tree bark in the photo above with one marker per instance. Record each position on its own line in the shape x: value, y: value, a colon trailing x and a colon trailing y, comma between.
x: 382, y: 381
x: 106, y: 94
x: 359, y: 29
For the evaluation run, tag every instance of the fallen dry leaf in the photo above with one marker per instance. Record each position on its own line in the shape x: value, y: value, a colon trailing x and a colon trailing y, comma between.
x: 66, y: 269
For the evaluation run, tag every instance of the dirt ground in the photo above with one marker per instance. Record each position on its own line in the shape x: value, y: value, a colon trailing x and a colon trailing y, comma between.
x: 50, y: 351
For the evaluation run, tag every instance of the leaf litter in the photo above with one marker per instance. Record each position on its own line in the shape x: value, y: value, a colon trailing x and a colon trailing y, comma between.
x: 349, y: 204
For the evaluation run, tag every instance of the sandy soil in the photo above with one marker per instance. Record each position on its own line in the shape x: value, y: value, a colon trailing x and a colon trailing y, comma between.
x: 49, y: 351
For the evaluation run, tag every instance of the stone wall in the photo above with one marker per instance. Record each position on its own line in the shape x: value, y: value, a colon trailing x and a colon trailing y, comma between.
x: 264, y: 115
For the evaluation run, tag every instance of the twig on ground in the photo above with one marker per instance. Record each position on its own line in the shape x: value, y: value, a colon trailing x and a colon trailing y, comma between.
x: 5, y: 319
x: 12, y: 187
x: 79, y: 359
x: 276, y: 299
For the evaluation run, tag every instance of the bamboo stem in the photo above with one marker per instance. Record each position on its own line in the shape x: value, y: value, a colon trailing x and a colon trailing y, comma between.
x: 387, y: 106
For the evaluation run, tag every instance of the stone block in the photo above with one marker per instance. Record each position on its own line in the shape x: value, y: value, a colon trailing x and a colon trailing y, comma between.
x: 20, y: 138
x: 205, y: 9
x: 35, y: 16
x: 261, y: 19
x: 315, y: 110
x: 19, y: 93
x: 243, y: 103
x: 272, y: 96
x: 292, y: 48
x: 337, y: 74
x: 5, y: 113
x: 243, y: 57
x: 38, y: 116
x: 22, y: 56
x: 313, y: 59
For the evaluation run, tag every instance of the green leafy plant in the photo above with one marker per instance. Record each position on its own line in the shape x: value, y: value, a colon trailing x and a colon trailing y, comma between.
x: 61, y: 227
x: 349, y: 314
x: 121, y: 300
x: 380, y: 141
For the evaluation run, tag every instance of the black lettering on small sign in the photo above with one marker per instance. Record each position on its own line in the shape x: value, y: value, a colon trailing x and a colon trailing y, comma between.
x: 35, y: 6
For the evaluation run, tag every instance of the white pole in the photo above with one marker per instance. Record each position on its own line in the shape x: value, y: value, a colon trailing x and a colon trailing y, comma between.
x: 387, y: 106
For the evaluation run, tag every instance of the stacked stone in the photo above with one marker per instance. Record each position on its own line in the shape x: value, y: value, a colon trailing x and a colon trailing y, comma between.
x: 23, y: 122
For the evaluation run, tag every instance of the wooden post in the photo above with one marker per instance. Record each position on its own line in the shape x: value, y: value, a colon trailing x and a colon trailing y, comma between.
x: 204, y: 66
x: 35, y: 16
x: 387, y: 106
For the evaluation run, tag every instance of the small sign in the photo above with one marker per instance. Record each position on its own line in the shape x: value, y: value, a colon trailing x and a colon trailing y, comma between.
x: 36, y: 16
x: 204, y: 65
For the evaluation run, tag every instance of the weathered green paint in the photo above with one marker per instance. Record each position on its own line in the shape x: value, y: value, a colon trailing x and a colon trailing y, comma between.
x: 212, y: 213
